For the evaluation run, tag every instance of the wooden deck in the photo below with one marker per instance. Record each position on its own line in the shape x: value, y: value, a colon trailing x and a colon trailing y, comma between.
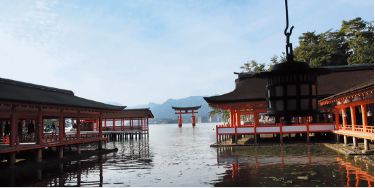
x: 51, y: 140
x: 368, y: 136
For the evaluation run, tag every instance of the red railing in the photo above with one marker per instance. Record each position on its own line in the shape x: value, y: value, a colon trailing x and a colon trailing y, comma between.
x: 357, y: 128
x: 49, y: 138
x: 4, y: 140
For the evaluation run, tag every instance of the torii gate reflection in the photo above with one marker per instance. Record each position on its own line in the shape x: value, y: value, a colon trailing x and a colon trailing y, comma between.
x: 186, y: 110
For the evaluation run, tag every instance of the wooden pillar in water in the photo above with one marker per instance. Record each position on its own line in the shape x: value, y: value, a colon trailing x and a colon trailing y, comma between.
x: 61, y: 151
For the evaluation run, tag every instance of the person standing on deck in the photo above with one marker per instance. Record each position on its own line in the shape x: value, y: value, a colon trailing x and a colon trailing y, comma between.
x: 31, y: 128
x: 7, y: 128
x: 53, y: 127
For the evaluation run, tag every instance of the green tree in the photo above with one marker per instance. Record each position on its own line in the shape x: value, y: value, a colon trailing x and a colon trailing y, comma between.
x: 223, y: 113
x: 359, y: 35
x: 352, y: 44
x: 253, y: 66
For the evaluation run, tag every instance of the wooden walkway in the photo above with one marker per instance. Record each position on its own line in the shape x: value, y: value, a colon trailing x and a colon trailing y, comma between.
x: 368, y: 136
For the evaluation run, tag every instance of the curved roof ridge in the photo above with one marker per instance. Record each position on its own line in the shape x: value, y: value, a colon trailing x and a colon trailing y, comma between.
x: 26, y: 84
x: 174, y: 107
x: 128, y: 109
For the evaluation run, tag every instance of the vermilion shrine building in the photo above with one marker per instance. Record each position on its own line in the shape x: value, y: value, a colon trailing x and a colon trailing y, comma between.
x: 20, y: 101
x: 347, y: 87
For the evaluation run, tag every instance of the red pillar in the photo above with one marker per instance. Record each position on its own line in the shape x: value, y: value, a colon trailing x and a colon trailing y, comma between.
x: 235, y: 127
x: 78, y: 128
x: 100, y: 126
x: 193, y: 118
x: 1, y: 129
x: 61, y: 126
x: 352, y: 115
x: 114, y: 124
x: 40, y: 128
x: 364, y: 117
x: 344, y: 123
x: 180, y: 119
x: 105, y: 123
x: 337, y: 118
x: 13, y: 132
x: 256, y: 122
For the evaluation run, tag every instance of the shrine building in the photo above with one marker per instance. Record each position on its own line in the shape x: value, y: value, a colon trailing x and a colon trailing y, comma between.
x: 347, y: 90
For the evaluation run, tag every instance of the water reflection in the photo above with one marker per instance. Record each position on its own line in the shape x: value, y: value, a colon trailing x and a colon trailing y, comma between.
x: 181, y: 156
x: 288, y: 166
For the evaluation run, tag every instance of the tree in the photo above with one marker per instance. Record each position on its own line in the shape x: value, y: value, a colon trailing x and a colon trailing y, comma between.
x: 352, y: 44
x: 253, y: 66
x: 359, y: 35
x: 223, y: 113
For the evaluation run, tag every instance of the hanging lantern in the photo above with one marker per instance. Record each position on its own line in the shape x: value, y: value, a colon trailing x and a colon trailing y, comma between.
x: 329, y: 115
x: 291, y: 88
x: 369, y: 113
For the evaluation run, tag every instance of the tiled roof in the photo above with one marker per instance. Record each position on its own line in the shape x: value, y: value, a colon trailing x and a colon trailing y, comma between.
x: 131, y: 113
x: 362, y: 87
x: 342, y: 78
x: 16, y: 91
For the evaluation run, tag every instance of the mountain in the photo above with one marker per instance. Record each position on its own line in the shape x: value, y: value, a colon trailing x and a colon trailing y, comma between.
x: 114, y: 103
x: 165, y: 110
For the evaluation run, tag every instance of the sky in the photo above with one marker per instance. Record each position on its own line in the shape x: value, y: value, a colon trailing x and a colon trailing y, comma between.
x: 136, y: 52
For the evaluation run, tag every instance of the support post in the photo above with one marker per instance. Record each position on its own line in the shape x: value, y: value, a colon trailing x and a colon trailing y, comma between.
x: 38, y: 155
x: 61, y: 126
x: 352, y: 115
x: 193, y: 118
x: 100, y: 132
x: 79, y: 127
x: 235, y: 127
x: 366, y: 144
x: 114, y: 124
x: 281, y: 133
x: 1, y: 129
x: 217, y: 134
x: 336, y: 118
x: 345, y: 140
x: 344, y: 123
x: 256, y: 122
x: 12, y: 159
x: 307, y: 132
x: 78, y: 148
x: 364, y: 117
x: 40, y: 127
x: 13, y: 131
x: 61, y: 151
x: 355, y: 143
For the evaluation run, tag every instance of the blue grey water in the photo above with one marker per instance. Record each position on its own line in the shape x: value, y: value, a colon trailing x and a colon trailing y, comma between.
x: 182, y: 156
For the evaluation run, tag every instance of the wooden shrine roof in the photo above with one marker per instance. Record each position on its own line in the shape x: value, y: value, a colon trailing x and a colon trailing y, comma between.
x: 130, y: 113
x: 354, y: 90
x: 22, y: 92
x: 187, y: 108
x: 342, y: 78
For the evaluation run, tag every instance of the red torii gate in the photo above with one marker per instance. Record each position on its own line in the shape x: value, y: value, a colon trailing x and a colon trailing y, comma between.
x: 186, y: 110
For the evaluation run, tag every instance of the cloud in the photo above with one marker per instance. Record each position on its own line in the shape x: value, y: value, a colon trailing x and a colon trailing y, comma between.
x: 135, y: 52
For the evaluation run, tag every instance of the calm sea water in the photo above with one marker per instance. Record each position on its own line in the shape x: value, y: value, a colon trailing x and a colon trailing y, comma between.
x: 174, y: 156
